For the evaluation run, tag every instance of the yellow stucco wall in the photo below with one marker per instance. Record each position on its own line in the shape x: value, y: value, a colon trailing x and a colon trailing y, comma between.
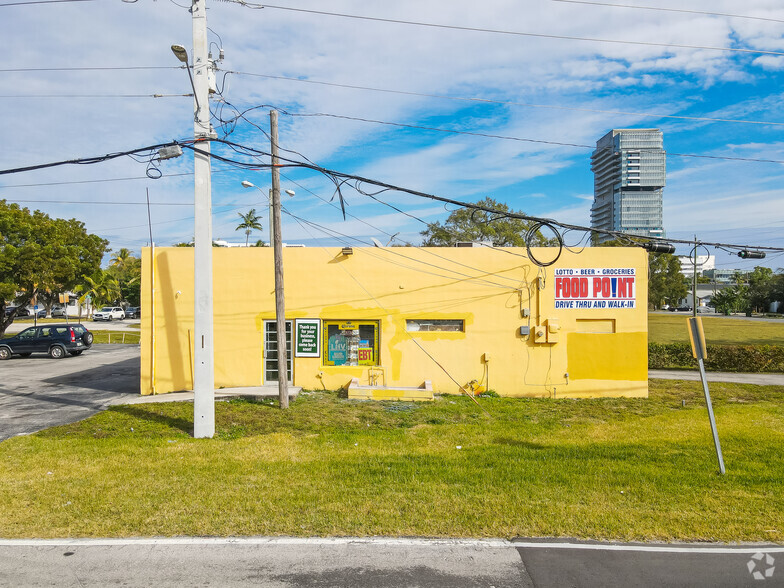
x: 591, y: 351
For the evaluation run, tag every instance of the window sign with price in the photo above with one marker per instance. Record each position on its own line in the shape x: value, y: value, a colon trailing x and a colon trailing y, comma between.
x: 307, y: 342
x: 350, y: 343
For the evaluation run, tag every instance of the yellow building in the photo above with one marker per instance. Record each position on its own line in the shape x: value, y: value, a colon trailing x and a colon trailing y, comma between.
x: 401, y: 316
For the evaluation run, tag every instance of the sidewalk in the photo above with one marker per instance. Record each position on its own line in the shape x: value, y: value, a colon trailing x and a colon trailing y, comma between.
x: 737, y: 378
x: 256, y: 392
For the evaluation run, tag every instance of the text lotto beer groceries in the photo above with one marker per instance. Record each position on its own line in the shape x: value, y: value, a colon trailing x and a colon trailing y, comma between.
x: 595, y: 288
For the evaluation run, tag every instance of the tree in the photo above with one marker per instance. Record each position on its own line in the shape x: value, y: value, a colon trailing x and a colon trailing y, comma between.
x: 102, y: 289
x: 121, y: 258
x: 760, y: 288
x: 39, y: 253
x: 467, y: 224
x: 777, y: 289
x: 127, y: 270
x: 666, y: 283
x: 249, y: 223
x: 729, y: 300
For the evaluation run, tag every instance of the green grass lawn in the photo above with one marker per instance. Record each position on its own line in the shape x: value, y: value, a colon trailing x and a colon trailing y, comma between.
x: 718, y: 330
x: 127, y: 337
x: 635, y: 469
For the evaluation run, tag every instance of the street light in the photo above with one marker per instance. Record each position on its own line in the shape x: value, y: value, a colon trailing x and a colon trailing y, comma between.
x: 182, y: 54
x: 247, y: 184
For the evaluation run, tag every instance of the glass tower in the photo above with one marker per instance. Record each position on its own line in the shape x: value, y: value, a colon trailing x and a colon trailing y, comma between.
x: 629, y: 175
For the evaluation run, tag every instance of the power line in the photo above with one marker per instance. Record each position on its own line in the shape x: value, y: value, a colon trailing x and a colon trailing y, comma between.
x: 341, y: 179
x: 509, y: 102
x: 96, y: 96
x: 102, y: 202
x: 512, y: 138
x: 454, y: 274
x: 3, y: 187
x: 41, y: 2
x: 96, y: 159
x: 107, y: 68
x: 505, y: 32
x: 659, y: 9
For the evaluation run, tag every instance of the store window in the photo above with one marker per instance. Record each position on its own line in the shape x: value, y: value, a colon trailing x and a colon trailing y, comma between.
x: 350, y: 342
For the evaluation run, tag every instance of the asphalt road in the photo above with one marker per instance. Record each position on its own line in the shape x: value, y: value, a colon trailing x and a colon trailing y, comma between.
x: 383, y: 563
x: 38, y: 392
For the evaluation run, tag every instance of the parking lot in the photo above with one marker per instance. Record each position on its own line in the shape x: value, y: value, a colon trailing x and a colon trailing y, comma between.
x: 38, y: 392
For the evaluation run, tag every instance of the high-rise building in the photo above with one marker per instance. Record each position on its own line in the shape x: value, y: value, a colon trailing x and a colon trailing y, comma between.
x: 629, y: 167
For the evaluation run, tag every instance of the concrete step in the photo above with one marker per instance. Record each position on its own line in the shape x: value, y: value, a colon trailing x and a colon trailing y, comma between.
x: 358, y: 392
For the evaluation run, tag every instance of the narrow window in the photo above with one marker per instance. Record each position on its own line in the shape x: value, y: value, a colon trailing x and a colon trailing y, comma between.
x: 430, y: 325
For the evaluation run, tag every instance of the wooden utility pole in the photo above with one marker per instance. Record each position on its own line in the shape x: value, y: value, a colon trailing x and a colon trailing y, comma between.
x: 280, y: 306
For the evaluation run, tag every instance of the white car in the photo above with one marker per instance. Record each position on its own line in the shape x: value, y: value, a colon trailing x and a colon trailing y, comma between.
x: 109, y: 313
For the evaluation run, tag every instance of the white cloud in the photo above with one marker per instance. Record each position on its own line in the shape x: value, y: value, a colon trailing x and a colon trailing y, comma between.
x: 570, y: 73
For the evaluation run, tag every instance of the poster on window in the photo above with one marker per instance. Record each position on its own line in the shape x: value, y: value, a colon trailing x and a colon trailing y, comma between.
x: 595, y: 288
x: 307, y: 338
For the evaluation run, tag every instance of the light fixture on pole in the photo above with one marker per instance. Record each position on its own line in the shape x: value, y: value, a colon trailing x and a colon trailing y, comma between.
x: 182, y: 54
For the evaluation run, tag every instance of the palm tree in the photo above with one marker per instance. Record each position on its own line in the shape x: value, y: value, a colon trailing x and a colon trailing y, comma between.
x: 120, y: 259
x: 101, y: 289
x: 250, y: 222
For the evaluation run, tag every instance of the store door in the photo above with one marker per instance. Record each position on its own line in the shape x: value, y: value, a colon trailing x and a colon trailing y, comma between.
x: 271, y: 351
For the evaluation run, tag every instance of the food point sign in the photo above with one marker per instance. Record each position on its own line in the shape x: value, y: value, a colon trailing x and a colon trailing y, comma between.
x: 595, y: 288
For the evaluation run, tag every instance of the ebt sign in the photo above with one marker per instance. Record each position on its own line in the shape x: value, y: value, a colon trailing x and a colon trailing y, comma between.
x: 595, y: 288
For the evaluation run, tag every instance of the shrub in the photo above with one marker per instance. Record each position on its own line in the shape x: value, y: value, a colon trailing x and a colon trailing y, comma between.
x: 721, y: 358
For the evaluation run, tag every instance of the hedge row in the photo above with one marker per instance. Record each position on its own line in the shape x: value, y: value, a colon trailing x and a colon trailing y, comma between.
x: 721, y: 358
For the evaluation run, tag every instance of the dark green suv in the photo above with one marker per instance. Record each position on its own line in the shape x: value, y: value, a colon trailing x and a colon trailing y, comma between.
x: 56, y: 340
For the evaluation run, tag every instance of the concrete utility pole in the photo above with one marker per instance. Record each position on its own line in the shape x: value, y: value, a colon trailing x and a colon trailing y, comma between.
x: 280, y: 307
x: 204, y: 352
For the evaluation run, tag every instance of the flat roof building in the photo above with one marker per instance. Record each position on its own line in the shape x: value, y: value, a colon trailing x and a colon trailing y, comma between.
x: 382, y: 317
x: 629, y: 167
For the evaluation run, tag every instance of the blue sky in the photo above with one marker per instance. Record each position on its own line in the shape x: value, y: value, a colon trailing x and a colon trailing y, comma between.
x: 525, y: 87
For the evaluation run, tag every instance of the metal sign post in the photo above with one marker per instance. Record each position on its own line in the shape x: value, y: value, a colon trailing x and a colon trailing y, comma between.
x: 698, y: 350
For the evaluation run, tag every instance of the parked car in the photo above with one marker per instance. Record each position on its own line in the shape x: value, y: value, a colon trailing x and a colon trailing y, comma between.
x: 133, y: 312
x: 704, y: 309
x: 58, y: 311
x: 684, y: 308
x: 109, y: 313
x: 25, y: 312
x: 56, y: 340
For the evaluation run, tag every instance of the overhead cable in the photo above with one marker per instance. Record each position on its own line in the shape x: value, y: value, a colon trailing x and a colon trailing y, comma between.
x: 661, y: 9
x: 507, y: 102
x: 512, y: 138
x: 505, y: 32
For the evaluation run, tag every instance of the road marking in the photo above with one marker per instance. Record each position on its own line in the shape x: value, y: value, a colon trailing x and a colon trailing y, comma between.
x: 659, y: 548
x: 391, y: 541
